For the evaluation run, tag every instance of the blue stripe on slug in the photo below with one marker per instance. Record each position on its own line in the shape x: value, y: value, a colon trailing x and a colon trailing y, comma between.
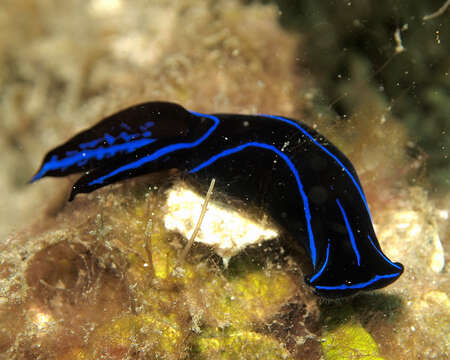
x: 312, y: 245
x: 80, y: 158
x: 350, y: 233
x: 384, y: 256
x: 361, y: 193
x: 161, y: 152
x: 317, y: 275
x: 362, y: 285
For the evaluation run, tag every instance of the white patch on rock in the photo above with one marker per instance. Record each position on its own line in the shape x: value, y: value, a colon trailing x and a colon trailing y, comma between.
x: 105, y: 7
x: 225, y: 230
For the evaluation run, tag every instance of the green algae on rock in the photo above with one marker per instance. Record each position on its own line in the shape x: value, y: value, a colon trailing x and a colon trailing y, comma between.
x: 160, y: 333
x: 350, y: 341
x: 89, y: 289
x: 229, y: 345
x: 244, y: 300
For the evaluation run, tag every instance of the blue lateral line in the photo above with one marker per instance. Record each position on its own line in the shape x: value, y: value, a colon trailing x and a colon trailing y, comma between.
x: 350, y: 233
x: 81, y: 157
x: 161, y: 152
x: 361, y: 193
x: 382, y: 255
x: 317, y: 275
x: 359, y: 285
x: 288, y: 161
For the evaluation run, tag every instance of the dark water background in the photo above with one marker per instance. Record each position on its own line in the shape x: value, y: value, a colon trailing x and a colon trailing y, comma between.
x: 415, y: 82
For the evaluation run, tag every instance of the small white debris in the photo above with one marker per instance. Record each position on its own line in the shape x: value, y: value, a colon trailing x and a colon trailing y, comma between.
x: 285, y: 145
x: 443, y: 214
x: 399, y: 48
x: 437, y: 262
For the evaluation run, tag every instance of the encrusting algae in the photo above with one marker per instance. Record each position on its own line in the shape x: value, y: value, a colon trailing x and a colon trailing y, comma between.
x: 104, y: 279
x: 351, y: 341
x: 107, y: 287
x: 228, y: 345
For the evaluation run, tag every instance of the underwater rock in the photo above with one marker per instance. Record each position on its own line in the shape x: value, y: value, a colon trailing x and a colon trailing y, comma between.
x: 410, y: 319
x: 105, y: 279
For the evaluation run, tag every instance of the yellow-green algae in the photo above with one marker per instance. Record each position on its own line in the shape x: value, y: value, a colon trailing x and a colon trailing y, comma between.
x: 350, y: 341
x: 126, y: 334
x: 166, y: 285
x: 248, y: 298
x: 232, y: 344
x: 241, y: 296
x: 130, y: 295
x: 160, y: 333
